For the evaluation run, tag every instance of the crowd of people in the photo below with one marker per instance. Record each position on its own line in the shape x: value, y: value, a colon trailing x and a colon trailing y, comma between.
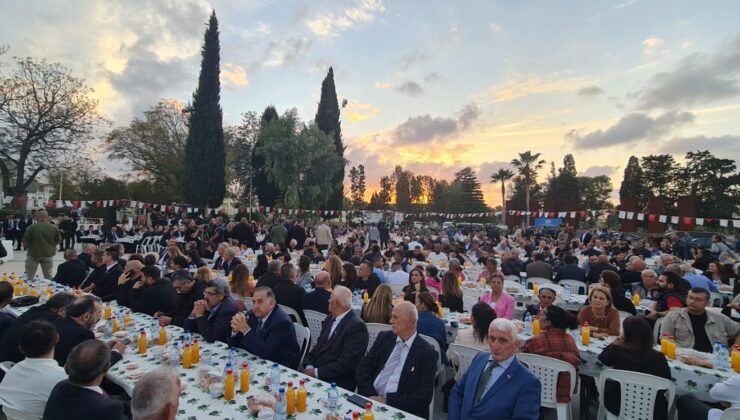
x: 204, y: 268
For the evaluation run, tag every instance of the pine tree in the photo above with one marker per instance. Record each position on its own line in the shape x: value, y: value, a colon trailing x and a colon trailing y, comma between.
x: 327, y: 119
x: 204, y: 183
x: 471, y: 193
x: 633, y: 184
x: 267, y: 192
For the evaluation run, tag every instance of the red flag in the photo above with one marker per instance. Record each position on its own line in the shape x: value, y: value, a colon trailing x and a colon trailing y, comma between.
x: 50, y: 203
x: 582, y: 213
x: 687, y: 220
x: 20, y: 200
x: 652, y: 217
x: 709, y: 220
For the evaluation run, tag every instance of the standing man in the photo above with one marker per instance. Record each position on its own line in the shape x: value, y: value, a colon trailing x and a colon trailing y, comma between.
x: 41, y: 240
x: 323, y: 236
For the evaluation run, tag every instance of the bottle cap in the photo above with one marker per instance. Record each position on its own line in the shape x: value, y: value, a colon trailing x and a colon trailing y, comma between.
x: 290, y: 384
x: 302, y: 382
x: 246, y: 365
x: 229, y: 371
x: 368, y: 405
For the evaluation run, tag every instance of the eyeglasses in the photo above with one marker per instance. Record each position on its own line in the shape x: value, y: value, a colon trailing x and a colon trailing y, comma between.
x: 211, y: 293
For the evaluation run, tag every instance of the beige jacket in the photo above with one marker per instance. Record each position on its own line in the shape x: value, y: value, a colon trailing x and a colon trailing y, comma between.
x: 718, y: 327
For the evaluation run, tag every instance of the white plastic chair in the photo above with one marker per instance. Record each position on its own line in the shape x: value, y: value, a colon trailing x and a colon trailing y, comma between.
x: 715, y: 299
x: 315, y: 322
x: 5, y: 366
x: 638, y: 392
x: 656, y: 329
x: 292, y: 313
x: 536, y: 280
x: 303, y: 335
x: 373, y: 329
x: 576, y: 286
x: 465, y: 355
x: 731, y: 414
x: 15, y: 414
x: 440, y: 367
x: 397, y: 288
x: 511, y: 284
x: 511, y: 277
x: 468, y: 302
x: 546, y: 369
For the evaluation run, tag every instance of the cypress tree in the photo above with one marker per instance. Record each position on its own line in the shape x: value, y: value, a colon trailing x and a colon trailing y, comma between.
x: 327, y: 119
x: 633, y: 184
x: 267, y: 192
x: 204, y: 183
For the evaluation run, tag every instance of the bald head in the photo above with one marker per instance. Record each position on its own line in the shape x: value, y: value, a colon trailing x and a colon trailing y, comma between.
x: 322, y: 280
x: 403, y: 320
x: 340, y: 301
x: 674, y: 268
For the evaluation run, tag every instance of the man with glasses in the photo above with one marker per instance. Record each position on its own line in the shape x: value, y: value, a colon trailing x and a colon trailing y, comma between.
x: 211, y: 316
x: 188, y: 291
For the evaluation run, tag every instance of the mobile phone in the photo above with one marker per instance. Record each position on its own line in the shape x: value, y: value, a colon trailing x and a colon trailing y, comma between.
x: 358, y: 400
x: 126, y: 341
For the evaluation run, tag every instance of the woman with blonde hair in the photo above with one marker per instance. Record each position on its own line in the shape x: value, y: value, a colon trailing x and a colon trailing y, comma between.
x: 334, y: 267
x: 602, y: 317
x: 379, y: 308
x: 239, y: 284
x: 203, y: 275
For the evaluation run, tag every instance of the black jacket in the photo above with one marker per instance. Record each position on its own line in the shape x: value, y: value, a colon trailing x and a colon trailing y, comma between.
x: 454, y: 303
x: 276, y: 341
x: 228, y: 267
x: 337, y: 357
x: 71, y: 273
x: 570, y: 272
x: 74, y: 402
x: 214, y: 325
x: 317, y: 300
x: 511, y: 267
x: 71, y: 334
x: 86, y: 259
x: 159, y: 297
x: 268, y: 279
x: 595, y: 271
x: 370, y: 284
x: 105, y: 286
x: 291, y: 295
x: 9, y: 343
x: 416, y: 386
x: 185, y: 303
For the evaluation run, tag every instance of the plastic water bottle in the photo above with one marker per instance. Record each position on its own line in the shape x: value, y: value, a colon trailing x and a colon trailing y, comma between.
x: 566, y: 291
x: 628, y: 295
x: 175, y: 358
x: 721, y: 357
x: 275, y: 376
x: 188, y: 337
x: 528, y: 324
x: 333, y: 398
x: 523, y: 283
x: 155, y: 327
x: 108, y: 327
x: 282, y: 406
x: 355, y: 298
x: 232, y: 356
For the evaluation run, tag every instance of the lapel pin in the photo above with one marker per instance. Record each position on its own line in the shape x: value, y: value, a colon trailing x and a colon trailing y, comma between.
x: 508, y: 376
x: 412, y: 368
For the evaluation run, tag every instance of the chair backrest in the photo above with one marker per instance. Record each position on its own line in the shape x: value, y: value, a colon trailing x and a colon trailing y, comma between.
x: 291, y: 313
x: 373, y: 330
x: 656, y: 329
x: 536, y: 280
x: 638, y: 392
x: 303, y: 335
x: 576, y: 286
x: 468, y: 302
x: 732, y: 413
x: 554, y: 287
x: 715, y: 299
x: 397, y: 288
x: 546, y: 369
x: 15, y: 414
x: 465, y: 354
x: 5, y: 366
x: 433, y: 341
x: 511, y: 284
x: 315, y: 322
x: 511, y: 277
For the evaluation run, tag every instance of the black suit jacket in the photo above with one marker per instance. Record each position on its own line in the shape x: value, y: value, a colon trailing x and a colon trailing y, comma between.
x: 291, y: 295
x: 86, y: 259
x: 71, y: 273
x: 416, y: 386
x: 214, y: 325
x: 228, y: 267
x: 6, y: 319
x: 9, y: 342
x: 276, y: 341
x: 571, y: 272
x: 317, y: 300
x: 107, y: 283
x: 71, y: 334
x: 74, y: 402
x: 185, y: 303
x: 337, y: 357
x: 268, y: 279
x: 159, y: 297
x: 595, y: 271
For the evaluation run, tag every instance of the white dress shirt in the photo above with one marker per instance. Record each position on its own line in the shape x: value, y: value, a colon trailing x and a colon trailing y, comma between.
x: 392, y: 384
x: 727, y: 391
x: 399, y: 277
x: 28, y: 384
x: 436, y: 258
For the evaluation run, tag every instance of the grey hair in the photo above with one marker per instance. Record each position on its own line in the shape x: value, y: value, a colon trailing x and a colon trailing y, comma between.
x: 344, y: 295
x: 649, y: 272
x: 410, y: 310
x: 454, y: 262
x: 221, y: 286
x: 273, y: 266
x: 153, y: 391
x: 232, y: 252
x: 685, y: 268
x: 505, y: 325
x: 268, y: 293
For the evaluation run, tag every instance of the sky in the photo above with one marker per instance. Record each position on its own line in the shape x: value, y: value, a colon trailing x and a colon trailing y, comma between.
x: 431, y: 85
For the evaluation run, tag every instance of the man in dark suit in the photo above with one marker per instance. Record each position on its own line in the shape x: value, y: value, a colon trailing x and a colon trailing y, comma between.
x: 570, y: 271
x: 400, y: 367
x: 341, y: 345
x: 601, y: 265
x: 152, y: 294
x: 230, y: 260
x: 6, y: 295
x: 586, y: 237
x: 298, y: 232
x: 76, y: 327
x: 86, y: 256
x: 51, y: 310
x: 267, y: 331
x: 104, y: 285
x: 271, y: 277
x: 188, y: 292
x: 318, y: 299
x: 496, y: 386
x: 72, y: 271
x: 211, y: 317
x: 80, y: 396
x: 288, y: 293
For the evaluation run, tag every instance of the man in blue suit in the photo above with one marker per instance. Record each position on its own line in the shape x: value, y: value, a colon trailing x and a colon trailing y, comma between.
x: 496, y: 385
x: 267, y: 331
x: 211, y: 316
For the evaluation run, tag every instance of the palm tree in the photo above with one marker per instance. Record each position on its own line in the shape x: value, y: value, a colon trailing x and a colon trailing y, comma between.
x: 502, y: 176
x: 527, y: 165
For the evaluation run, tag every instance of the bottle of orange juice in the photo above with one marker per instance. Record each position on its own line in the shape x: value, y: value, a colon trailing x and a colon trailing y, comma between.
x: 114, y: 324
x: 142, y: 342
x: 671, y: 348
x: 107, y: 312
x: 302, y: 394
x: 636, y: 299
x: 17, y: 290
x: 735, y: 359
x: 244, y: 378
x: 196, y: 350
x: 365, y: 296
x: 162, y: 335
x: 187, y: 357
x: 25, y: 289
x: 536, y: 325
x: 290, y: 398
x: 664, y: 344
x: 585, y: 334
x: 229, y: 385
x: 34, y: 292
x: 368, y: 415
x: 536, y: 288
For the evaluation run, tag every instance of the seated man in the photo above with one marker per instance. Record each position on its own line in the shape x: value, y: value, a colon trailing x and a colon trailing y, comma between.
x: 366, y: 279
x: 76, y: 327
x: 288, y: 293
x: 695, y: 327
x: 211, y: 317
x: 648, y: 288
x: 230, y: 259
x: 496, y: 385
x: 399, y: 369
x: 672, y: 296
x: 570, y: 270
x: 130, y: 276
x: 633, y: 272
x: 188, y: 291
x: 318, y: 299
x: 80, y: 395
x: 72, y: 271
x: 152, y: 294
x: 271, y: 277
x: 26, y: 387
x: 266, y: 331
x: 341, y: 345
x: 86, y: 256
x: 697, y: 280
x: 6, y: 295
x: 398, y: 276
x: 156, y: 395
x: 106, y: 284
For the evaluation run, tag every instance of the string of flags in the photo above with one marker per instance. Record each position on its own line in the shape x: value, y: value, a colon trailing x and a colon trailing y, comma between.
x: 583, y: 214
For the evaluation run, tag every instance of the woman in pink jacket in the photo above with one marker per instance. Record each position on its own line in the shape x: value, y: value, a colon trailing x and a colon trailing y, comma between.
x: 501, y: 302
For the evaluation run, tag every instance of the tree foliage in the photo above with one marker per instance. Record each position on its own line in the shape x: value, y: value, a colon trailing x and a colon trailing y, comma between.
x: 327, y: 120
x: 564, y: 185
x: 204, y: 183
x: 632, y: 182
x: 240, y: 140
x: 595, y: 192
x: 661, y: 175
x: 471, y: 194
x: 357, y: 186
x: 266, y: 191
x: 715, y: 183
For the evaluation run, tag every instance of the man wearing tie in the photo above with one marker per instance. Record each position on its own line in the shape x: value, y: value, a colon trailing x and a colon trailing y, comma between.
x: 400, y: 367
x: 230, y: 260
x: 211, y: 316
x: 341, y: 345
x: 496, y: 385
x: 267, y: 331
